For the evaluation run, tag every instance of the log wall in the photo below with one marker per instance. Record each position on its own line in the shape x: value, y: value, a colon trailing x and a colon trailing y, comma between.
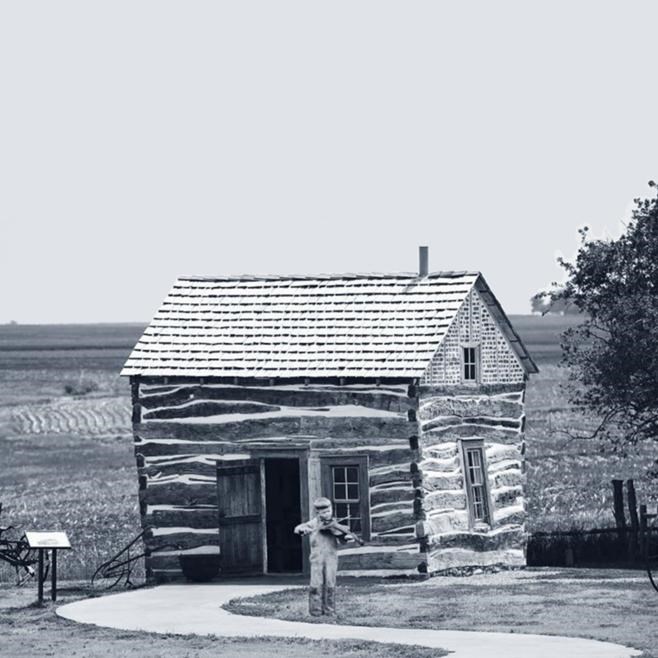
x: 449, y: 415
x: 183, y: 427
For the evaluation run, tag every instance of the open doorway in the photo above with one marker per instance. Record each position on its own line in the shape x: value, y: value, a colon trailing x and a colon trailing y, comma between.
x: 283, y: 513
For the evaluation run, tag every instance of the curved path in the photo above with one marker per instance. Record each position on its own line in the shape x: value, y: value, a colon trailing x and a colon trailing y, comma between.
x: 187, y: 609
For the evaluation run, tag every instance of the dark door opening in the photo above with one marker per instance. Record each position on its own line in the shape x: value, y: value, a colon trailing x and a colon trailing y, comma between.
x: 283, y: 513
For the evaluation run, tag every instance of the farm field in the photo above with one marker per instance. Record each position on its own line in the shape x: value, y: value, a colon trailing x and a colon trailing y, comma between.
x: 67, y: 460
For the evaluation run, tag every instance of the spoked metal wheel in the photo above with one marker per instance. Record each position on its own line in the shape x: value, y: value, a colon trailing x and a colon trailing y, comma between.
x: 26, y: 562
x: 23, y: 574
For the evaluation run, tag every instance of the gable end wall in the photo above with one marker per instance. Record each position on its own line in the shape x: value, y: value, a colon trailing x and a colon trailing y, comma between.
x: 475, y: 325
x: 491, y: 410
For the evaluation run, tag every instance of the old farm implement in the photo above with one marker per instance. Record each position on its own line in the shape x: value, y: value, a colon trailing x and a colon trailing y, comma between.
x: 15, y: 550
x: 120, y: 568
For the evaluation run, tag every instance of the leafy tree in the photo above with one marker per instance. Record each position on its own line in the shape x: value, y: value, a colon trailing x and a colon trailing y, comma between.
x: 613, y: 354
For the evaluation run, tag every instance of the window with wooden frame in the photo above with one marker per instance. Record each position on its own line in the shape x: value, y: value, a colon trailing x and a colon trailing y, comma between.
x: 476, y: 481
x: 345, y: 483
x: 470, y: 363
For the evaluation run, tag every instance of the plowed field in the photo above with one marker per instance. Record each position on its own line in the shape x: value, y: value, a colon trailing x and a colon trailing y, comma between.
x: 99, y: 416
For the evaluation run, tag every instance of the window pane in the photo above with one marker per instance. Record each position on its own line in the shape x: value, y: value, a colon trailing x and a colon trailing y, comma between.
x: 346, y: 487
x: 472, y: 476
x: 340, y: 492
x: 469, y: 363
x: 339, y: 474
x: 476, y: 483
x: 478, y: 504
x: 474, y: 459
x: 355, y: 517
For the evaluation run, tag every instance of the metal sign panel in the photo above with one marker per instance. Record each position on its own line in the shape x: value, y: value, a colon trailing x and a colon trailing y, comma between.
x: 47, y: 540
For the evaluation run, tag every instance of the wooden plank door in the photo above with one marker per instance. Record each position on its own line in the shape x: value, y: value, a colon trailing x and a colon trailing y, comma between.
x: 241, y: 513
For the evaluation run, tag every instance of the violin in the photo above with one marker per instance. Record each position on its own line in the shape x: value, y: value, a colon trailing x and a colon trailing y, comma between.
x: 343, y: 532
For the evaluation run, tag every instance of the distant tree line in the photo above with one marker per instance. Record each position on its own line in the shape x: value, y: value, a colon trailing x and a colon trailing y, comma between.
x: 544, y: 303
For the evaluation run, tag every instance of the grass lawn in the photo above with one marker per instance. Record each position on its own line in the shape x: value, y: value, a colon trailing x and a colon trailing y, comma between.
x: 612, y: 605
x: 30, y: 631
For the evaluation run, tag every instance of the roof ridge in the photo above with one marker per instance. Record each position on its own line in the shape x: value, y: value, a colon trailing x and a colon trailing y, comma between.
x: 331, y: 276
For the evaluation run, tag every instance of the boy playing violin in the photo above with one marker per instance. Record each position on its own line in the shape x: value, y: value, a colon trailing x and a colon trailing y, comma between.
x: 325, y: 534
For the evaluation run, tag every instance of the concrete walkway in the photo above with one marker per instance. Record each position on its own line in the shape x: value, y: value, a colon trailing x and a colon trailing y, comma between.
x: 187, y: 609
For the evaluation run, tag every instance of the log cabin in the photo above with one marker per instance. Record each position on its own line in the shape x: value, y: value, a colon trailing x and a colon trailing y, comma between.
x: 398, y: 396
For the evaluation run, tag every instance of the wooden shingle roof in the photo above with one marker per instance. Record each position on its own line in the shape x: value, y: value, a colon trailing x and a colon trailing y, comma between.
x: 347, y: 325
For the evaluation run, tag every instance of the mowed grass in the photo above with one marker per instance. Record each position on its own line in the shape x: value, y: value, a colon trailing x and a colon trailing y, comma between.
x: 610, y: 605
x: 82, y: 479
x: 28, y: 631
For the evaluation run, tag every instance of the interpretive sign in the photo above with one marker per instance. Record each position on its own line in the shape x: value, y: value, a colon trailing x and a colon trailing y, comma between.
x: 53, y: 542
x: 47, y: 540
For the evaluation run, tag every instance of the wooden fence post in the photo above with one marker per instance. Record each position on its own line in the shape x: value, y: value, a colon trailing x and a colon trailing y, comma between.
x: 620, y: 519
x: 643, y: 531
x: 633, y: 540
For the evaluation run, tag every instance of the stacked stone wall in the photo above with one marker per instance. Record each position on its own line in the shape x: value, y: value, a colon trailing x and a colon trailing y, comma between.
x: 448, y: 416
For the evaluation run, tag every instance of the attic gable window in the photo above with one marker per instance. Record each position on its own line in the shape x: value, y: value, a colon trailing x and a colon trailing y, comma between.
x: 470, y: 360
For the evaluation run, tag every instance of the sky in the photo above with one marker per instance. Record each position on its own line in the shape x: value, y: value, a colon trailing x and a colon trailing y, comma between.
x: 142, y: 141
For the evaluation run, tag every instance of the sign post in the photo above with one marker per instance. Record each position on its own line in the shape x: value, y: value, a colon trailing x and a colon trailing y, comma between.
x: 40, y: 576
x: 42, y: 541
x: 53, y: 575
